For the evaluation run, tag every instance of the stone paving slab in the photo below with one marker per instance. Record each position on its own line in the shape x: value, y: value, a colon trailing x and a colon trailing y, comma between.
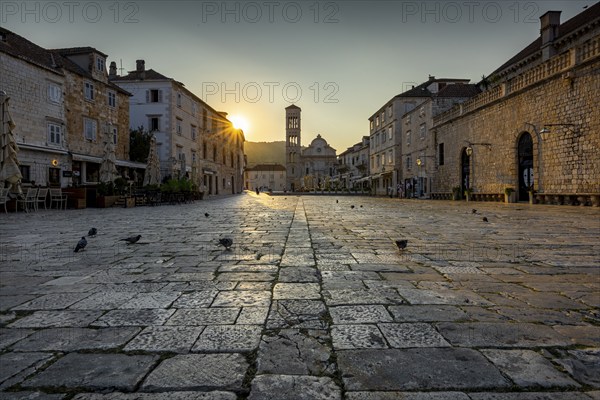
x: 94, y: 371
x: 13, y: 363
x: 176, y: 339
x: 214, y: 395
x: 294, y: 352
x: 74, y: 339
x: 526, y: 368
x: 406, y: 396
x: 491, y: 334
x: 411, y: 369
x: 292, y: 387
x: 198, y: 372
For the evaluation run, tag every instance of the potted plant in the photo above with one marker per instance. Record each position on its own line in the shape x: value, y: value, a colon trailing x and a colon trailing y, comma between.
x: 105, y: 195
x: 509, y: 195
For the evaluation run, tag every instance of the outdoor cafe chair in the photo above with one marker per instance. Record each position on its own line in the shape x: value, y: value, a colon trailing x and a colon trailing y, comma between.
x: 29, y: 201
x: 57, y: 196
x: 41, y: 198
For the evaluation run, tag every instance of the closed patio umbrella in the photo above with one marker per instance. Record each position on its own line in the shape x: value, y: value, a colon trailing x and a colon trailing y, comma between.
x: 152, y: 173
x: 108, y: 168
x: 9, y: 163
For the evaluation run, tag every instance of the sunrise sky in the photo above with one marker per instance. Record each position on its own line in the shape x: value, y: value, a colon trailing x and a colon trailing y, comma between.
x: 337, y: 60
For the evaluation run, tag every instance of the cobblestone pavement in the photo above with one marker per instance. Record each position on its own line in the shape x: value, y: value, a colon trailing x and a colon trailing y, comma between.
x: 313, y: 301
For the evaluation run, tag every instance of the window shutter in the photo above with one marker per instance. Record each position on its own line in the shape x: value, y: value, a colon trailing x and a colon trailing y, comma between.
x: 147, y: 96
x: 160, y: 96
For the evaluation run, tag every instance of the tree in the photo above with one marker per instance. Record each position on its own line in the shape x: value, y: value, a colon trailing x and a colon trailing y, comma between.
x: 139, y: 144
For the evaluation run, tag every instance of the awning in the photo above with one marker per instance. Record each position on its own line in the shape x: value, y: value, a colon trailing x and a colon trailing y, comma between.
x: 86, y: 158
x: 376, y: 176
x: 44, y: 149
x: 366, y: 178
x: 130, y: 164
x: 207, y: 171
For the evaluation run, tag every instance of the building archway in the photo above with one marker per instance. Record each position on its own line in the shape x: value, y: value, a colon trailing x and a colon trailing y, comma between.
x: 465, y: 171
x: 525, y: 165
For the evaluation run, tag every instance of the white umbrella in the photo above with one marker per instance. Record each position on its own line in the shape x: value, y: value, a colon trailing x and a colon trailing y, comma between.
x: 152, y: 173
x: 108, y: 168
x: 9, y: 163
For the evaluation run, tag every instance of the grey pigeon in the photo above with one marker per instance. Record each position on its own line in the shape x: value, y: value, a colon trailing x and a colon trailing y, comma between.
x: 80, y: 245
x: 361, y: 206
x: 337, y: 201
x: 133, y: 239
x: 485, y: 219
x: 226, y: 242
x: 206, y: 215
x: 93, y: 232
x: 352, y: 206
x: 402, y: 244
x: 474, y: 211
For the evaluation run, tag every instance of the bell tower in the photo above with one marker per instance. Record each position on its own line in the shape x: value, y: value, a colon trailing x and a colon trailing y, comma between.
x: 293, y: 148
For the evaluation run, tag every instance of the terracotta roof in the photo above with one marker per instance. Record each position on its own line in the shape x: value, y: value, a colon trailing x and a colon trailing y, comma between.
x: 293, y: 106
x: 19, y: 47
x: 267, y: 167
x: 459, y: 90
x: 70, y: 51
x: 149, y: 75
x: 422, y: 91
x: 565, y: 29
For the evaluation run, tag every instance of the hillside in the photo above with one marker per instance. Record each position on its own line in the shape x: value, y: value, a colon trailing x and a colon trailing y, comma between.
x: 265, y: 152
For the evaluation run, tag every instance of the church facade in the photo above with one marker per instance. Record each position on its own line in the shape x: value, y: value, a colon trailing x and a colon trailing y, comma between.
x: 311, y: 168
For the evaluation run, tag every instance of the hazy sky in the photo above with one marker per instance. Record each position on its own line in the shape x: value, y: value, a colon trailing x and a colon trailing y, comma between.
x: 337, y: 60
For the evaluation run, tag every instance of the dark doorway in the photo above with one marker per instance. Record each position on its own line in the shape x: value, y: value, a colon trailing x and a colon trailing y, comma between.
x: 525, y: 167
x: 465, y: 174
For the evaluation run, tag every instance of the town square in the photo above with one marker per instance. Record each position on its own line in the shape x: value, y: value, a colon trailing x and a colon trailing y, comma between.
x: 313, y: 300
x: 304, y: 200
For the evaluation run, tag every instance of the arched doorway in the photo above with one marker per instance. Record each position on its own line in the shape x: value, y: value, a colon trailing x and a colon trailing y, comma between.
x: 465, y: 171
x: 525, y: 165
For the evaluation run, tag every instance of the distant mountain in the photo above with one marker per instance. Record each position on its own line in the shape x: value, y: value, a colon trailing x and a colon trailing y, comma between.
x: 265, y: 152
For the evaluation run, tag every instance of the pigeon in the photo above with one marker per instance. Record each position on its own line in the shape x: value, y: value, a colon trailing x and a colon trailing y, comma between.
x: 485, y: 219
x: 337, y: 201
x: 92, y: 232
x: 206, y: 215
x: 133, y: 239
x: 80, y: 245
x: 226, y: 242
x: 352, y: 206
x: 474, y: 211
x: 402, y: 244
x: 361, y: 206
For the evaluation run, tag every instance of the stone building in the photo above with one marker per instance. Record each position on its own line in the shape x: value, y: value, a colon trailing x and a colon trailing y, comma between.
x: 353, y: 166
x: 386, y: 131
x: 35, y: 83
x: 310, y: 168
x: 419, y: 157
x: 265, y: 177
x: 193, y: 139
x: 537, y: 123
x: 96, y: 111
x: 64, y: 107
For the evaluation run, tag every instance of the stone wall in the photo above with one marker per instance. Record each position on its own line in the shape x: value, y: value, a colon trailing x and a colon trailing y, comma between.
x: 566, y: 160
x: 98, y: 110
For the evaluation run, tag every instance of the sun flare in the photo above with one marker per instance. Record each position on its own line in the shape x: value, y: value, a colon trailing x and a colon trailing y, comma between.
x: 239, y: 122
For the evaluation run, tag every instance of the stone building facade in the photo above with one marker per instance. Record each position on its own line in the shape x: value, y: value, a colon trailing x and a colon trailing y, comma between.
x: 193, y: 139
x: 419, y: 158
x: 265, y: 177
x: 386, y: 133
x: 536, y: 126
x: 96, y: 111
x: 310, y: 168
x: 35, y: 84
x: 353, y: 166
x: 55, y: 95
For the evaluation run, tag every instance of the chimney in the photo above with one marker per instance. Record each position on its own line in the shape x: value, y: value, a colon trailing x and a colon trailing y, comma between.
x: 549, y: 32
x: 431, y: 77
x: 112, y: 70
x: 140, y: 69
